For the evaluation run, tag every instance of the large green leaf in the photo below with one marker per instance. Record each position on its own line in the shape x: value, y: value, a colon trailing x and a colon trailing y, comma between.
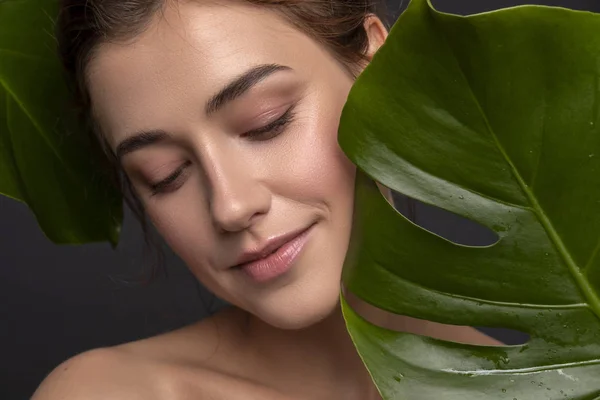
x: 494, y: 117
x: 45, y: 155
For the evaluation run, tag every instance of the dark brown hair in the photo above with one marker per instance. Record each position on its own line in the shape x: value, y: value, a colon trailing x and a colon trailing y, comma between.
x: 85, y: 24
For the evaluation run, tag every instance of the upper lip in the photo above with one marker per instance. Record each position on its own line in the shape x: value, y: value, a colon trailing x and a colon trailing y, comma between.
x: 269, y: 247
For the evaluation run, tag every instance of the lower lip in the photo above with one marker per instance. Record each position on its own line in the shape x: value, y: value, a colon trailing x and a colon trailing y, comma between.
x: 277, y: 263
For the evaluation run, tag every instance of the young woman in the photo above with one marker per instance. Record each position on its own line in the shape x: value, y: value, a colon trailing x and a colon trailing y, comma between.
x: 223, y: 116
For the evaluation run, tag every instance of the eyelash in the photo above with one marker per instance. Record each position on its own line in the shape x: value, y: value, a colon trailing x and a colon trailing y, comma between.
x: 267, y: 132
x: 170, y: 182
x: 273, y: 129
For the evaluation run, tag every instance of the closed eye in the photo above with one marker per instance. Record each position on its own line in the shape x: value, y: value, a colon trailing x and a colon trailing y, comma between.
x: 272, y: 129
x: 171, y: 182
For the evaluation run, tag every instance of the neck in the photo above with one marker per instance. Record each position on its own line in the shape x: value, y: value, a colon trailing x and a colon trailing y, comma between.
x: 322, y: 352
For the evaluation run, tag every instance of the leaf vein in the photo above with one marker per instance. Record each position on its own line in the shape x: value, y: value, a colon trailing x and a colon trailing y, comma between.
x: 24, y: 55
x: 34, y: 122
x: 593, y: 256
x: 524, y: 371
x: 486, y: 301
x: 19, y: 178
x: 579, y: 277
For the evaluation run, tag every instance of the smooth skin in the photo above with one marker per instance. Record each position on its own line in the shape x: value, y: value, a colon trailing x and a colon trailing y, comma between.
x: 215, y: 183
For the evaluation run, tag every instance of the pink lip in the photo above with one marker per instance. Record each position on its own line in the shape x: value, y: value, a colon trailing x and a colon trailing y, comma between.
x: 276, y: 258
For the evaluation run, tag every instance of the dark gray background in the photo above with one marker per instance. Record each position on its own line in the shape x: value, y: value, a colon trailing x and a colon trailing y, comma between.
x: 56, y: 301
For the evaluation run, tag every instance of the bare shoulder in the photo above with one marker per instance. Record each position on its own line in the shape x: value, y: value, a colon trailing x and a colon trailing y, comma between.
x: 121, y: 374
x: 195, y: 345
x: 97, y: 374
x: 171, y: 366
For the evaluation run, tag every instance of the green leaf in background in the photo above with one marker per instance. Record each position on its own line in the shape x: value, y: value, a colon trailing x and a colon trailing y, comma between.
x: 494, y: 117
x: 45, y: 155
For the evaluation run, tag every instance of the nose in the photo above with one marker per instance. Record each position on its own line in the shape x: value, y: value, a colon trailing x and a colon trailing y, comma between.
x: 238, y: 198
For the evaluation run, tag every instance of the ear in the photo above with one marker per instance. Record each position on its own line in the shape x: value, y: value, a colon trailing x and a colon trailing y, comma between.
x: 376, y: 32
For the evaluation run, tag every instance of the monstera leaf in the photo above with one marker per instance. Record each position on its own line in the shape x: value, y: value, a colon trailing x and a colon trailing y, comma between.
x: 494, y: 117
x: 45, y: 155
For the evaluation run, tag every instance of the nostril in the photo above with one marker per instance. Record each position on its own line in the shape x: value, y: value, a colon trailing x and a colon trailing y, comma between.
x: 234, y: 214
x: 231, y: 218
x: 237, y: 194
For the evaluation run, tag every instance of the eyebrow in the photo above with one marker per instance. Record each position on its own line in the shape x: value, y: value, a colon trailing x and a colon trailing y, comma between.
x: 139, y: 141
x: 241, y: 85
x: 236, y: 88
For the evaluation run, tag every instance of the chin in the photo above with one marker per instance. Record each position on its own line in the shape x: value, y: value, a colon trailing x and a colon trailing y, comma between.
x: 299, y: 308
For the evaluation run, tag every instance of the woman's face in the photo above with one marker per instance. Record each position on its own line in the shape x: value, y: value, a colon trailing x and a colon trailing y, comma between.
x: 225, y: 119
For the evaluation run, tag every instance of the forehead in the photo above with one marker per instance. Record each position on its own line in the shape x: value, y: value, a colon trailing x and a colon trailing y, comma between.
x: 186, y: 54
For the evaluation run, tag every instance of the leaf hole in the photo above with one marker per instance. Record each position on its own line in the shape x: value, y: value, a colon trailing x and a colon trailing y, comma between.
x: 477, y: 336
x: 450, y: 226
x: 511, y: 337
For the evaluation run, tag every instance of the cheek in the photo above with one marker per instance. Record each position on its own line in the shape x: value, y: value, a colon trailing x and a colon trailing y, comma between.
x: 316, y: 164
x: 185, y: 226
x: 326, y: 172
x: 183, y: 222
